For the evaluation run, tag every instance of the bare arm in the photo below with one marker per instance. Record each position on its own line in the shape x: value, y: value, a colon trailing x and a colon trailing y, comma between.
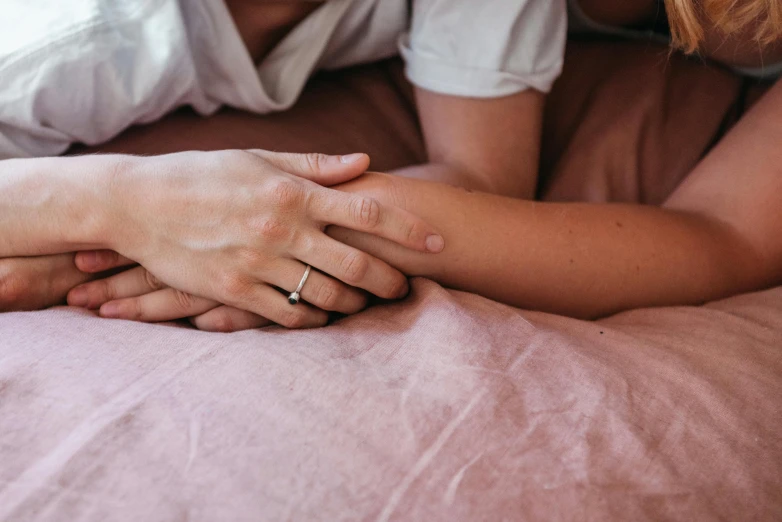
x: 719, y: 234
x: 234, y: 216
x: 472, y: 143
x: 716, y: 236
x: 53, y: 205
x: 48, y: 205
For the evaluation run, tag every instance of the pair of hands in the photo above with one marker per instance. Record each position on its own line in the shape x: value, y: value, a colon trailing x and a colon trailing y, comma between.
x: 221, y: 235
x: 136, y: 294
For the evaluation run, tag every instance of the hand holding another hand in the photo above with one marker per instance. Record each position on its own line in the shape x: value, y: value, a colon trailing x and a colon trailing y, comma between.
x: 137, y: 295
x: 234, y: 226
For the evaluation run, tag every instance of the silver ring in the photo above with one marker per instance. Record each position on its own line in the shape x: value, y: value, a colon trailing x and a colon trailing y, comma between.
x: 294, y: 296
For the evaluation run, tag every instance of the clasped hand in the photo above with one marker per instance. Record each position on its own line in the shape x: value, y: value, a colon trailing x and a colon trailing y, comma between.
x: 223, y: 236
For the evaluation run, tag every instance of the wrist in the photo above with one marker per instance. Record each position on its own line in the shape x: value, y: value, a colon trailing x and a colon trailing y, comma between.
x: 96, y: 185
x: 57, y: 205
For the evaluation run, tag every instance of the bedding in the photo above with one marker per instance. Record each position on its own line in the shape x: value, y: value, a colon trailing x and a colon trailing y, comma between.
x: 444, y: 406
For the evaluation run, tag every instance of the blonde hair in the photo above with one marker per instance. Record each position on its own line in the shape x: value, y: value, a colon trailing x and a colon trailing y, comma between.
x: 762, y: 17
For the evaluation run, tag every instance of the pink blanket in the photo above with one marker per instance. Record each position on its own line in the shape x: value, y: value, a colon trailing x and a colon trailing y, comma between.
x: 446, y: 406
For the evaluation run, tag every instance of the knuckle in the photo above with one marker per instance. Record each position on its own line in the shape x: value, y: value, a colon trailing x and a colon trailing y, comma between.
x: 365, y: 211
x: 134, y: 310
x: 101, y: 290
x: 286, y: 193
x: 314, y: 161
x: 328, y: 295
x: 183, y: 301
x: 152, y: 281
x: 355, y: 266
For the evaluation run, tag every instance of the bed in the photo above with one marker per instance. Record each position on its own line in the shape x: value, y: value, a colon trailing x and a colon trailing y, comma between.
x: 444, y: 406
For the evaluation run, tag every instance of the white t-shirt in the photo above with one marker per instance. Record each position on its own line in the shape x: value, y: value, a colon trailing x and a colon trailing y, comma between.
x: 84, y: 70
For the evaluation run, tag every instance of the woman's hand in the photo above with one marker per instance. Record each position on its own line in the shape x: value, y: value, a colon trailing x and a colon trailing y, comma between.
x: 232, y: 225
x: 137, y: 295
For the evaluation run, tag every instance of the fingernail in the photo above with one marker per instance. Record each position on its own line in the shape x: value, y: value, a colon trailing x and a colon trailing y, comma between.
x: 351, y: 158
x: 435, y: 243
x: 78, y: 297
x: 405, y: 291
x: 110, y: 310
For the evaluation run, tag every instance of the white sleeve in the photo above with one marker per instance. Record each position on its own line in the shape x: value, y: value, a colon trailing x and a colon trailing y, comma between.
x: 485, y: 48
x: 84, y: 71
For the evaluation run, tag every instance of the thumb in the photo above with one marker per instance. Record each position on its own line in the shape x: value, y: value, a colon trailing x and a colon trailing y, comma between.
x: 323, y: 169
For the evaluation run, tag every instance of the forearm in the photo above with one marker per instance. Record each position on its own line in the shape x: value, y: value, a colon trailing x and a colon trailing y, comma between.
x: 490, y: 145
x: 441, y: 173
x: 583, y: 260
x: 467, y: 178
x: 53, y: 205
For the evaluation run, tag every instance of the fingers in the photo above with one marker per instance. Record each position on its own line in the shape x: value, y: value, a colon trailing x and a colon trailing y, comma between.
x: 163, y: 305
x: 321, y: 168
x: 137, y: 295
x: 59, y: 273
x: 367, y: 214
x: 228, y: 319
x: 268, y: 302
x: 319, y: 290
x: 131, y: 283
x: 94, y: 261
x: 33, y: 283
x: 352, y: 266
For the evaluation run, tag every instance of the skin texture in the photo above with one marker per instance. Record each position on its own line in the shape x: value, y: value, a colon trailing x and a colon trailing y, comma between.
x: 473, y: 144
x: 230, y: 226
x: 715, y: 236
x: 465, y: 146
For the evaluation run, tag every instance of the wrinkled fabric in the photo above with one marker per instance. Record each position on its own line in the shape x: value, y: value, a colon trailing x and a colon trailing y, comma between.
x: 446, y: 406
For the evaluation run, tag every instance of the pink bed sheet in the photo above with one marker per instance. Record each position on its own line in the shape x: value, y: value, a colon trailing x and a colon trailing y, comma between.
x: 443, y: 407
